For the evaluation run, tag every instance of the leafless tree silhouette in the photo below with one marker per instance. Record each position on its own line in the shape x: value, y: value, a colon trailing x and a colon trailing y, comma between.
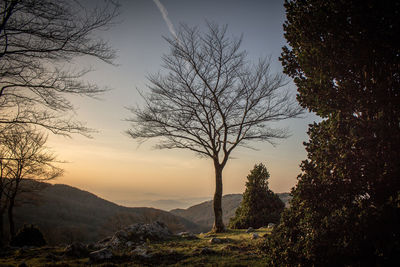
x: 211, y: 101
x: 37, y: 40
x: 23, y: 157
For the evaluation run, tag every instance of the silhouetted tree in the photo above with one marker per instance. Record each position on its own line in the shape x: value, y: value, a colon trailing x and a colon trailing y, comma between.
x: 211, y: 101
x: 37, y: 39
x: 260, y: 205
x: 344, y: 58
x: 4, y: 184
x: 27, y: 159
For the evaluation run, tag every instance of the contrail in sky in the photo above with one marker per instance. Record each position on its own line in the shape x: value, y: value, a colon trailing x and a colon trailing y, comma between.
x: 164, y: 13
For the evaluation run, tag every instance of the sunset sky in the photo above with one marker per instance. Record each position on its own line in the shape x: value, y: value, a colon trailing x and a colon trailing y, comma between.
x: 117, y: 168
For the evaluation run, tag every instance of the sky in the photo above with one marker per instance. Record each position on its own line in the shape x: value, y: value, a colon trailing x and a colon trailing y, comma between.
x: 117, y: 168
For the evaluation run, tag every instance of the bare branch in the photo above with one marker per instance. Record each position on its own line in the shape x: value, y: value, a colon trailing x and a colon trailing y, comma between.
x: 36, y: 38
x: 211, y: 101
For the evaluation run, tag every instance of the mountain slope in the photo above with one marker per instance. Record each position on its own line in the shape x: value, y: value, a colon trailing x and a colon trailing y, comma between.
x: 66, y: 214
x: 203, y: 215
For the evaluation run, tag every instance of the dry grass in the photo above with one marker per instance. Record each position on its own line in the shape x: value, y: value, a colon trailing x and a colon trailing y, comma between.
x: 236, y: 249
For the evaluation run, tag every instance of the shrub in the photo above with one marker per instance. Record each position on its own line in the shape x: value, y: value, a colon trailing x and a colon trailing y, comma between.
x: 29, y: 235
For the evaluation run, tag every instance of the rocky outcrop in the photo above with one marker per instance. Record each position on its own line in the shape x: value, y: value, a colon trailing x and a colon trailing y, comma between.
x: 76, y: 250
x: 101, y: 255
x: 136, y: 234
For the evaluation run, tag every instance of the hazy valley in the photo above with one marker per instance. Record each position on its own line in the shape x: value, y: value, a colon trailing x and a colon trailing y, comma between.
x: 66, y: 214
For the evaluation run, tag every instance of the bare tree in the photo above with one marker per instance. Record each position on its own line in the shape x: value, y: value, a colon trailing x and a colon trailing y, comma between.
x: 25, y: 158
x: 38, y: 38
x: 211, y: 101
x: 5, y: 158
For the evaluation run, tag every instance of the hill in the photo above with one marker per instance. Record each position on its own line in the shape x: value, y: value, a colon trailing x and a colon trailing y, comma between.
x: 66, y: 214
x: 203, y: 215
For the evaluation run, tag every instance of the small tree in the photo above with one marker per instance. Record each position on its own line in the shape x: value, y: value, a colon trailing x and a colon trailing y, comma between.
x: 27, y: 159
x: 37, y: 38
x: 260, y: 205
x: 211, y: 101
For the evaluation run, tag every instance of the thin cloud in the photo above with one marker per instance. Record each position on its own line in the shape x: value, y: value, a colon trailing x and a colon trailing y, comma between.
x: 164, y: 13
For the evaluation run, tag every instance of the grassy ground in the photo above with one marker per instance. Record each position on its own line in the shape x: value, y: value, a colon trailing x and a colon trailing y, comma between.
x: 236, y: 249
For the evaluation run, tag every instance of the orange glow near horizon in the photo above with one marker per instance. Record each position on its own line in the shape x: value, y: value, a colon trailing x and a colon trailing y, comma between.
x: 119, y: 170
x: 115, y: 167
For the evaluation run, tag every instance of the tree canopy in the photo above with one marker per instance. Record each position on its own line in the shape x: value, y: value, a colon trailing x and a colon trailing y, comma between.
x: 344, y: 58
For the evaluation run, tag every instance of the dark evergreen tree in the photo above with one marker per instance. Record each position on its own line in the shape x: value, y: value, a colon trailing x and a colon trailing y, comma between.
x: 260, y: 205
x: 344, y: 57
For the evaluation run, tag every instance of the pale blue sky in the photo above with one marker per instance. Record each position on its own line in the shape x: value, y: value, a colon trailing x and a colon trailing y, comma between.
x: 113, y: 166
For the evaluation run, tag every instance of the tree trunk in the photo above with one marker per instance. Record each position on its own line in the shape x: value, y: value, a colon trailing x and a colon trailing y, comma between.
x: 2, y: 241
x: 11, y: 218
x: 2, y: 210
x: 218, y: 226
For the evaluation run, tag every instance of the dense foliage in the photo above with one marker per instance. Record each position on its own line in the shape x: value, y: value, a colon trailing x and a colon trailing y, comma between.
x: 260, y: 205
x: 344, y: 57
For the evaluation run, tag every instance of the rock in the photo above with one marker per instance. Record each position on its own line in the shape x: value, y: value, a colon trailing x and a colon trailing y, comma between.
x: 209, y: 235
x: 137, y: 234
x: 115, y: 242
x: 100, y: 255
x: 187, y: 235
x: 255, y: 236
x: 271, y: 225
x: 250, y: 229
x: 101, y: 244
x: 231, y: 247
x: 140, y: 251
x: 215, y: 240
x: 129, y: 244
x: 52, y: 257
x: 76, y: 250
x: 191, y: 237
x: 121, y: 234
x: 183, y: 234
x: 206, y: 251
x: 105, y: 240
x: 156, y: 231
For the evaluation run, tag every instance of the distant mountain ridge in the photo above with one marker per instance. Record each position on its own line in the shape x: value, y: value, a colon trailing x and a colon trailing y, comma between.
x: 66, y: 214
x: 164, y: 204
x: 203, y: 215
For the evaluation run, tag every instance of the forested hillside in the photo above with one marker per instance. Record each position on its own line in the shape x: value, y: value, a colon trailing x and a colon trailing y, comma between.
x: 67, y: 214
